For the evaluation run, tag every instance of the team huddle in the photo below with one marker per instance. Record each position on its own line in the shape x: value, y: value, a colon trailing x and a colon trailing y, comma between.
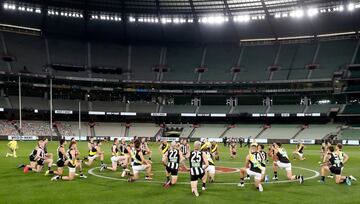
x: 135, y: 156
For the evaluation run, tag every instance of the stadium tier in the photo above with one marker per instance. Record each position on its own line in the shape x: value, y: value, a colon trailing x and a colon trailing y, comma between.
x: 109, y: 129
x: 244, y: 131
x: 180, y: 62
x: 280, y: 132
x: 318, y: 131
x: 350, y: 134
x: 143, y: 130
x: 209, y: 131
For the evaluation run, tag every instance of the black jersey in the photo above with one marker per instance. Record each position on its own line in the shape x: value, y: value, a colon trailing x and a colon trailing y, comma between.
x: 114, y: 150
x: 33, y: 153
x: 300, y: 148
x: 71, y: 159
x: 255, y: 162
x: 282, y: 156
x: 184, y: 149
x: 263, y: 156
x: 123, y: 149
x: 61, y: 156
x: 335, y: 160
x: 173, y: 157
x: 136, y: 157
x: 196, y: 162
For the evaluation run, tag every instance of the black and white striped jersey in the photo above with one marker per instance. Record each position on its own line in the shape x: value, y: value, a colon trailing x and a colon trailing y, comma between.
x: 196, y: 162
x: 173, y: 157
x: 184, y: 149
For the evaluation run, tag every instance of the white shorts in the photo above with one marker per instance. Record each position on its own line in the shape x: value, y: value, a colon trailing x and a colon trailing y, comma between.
x: 210, y: 169
x: 138, y: 168
x: 93, y: 157
x: 286, y: 166
x: 256, y: 175
x: 115, y: 159
x: 300, y: 154
x: 72, y: 169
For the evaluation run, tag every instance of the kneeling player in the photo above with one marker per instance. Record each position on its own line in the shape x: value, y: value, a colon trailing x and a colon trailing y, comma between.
x: 215, y: 150
x: 13, y: 146
x: 281, y: 160
x: 116, y: 159
x: 172, y: 160
x: 139, y: 163
x: 299, y: 152
x: 198, y: 163
x: 71, y: 162
x: 334, y: 163
x: 253, y: 167
x: 145, y: 148
x: 60, y: 163
x: 232, y: 150
x: 94, y: 152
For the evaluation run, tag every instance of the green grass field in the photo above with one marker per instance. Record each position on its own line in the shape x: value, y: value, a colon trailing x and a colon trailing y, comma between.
x: 17, y: 187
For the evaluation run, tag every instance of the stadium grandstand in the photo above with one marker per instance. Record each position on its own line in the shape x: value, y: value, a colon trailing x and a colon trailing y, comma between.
x: 232, y: 71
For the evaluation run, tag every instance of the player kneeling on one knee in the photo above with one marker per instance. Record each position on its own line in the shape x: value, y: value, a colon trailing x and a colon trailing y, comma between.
x: 116, y: 159
x: 139, y: 163
x: 172, y: 160
x: 253, y: 167
x: 334, y: 163
x: 71, y: 162
x: 281, y: 160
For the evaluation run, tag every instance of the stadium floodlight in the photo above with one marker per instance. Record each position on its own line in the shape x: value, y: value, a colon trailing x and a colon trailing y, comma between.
x: 351, y: 6
x: 132, y: 19
x: 341, y: 8
x: 297, y: 13
x: 277, y: 15
x: 190, y: 20
x: 312, y: 12
x: 176, y: 20
x: 21, y: 8
x: 242, y: 18
x: 37, y: 10
x: 285, y: 15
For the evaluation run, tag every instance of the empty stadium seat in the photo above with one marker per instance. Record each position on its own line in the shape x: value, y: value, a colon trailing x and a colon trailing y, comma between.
x: 182, y: 61
x: 29, y: 52
x: 178, y: 109
x: 219, y: 61
x: 286, y: 109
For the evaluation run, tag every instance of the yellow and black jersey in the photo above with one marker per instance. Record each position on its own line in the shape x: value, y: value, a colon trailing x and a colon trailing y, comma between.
x: 300, y: 148
x: 164, y: 148
x: 209, y: 157
x: 214, y: 148
x: 92, y: 150
x: 114, y: 150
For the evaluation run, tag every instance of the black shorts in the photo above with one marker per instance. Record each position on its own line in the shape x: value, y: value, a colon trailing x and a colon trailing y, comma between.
x: 196, y: 177
x: 335, y: 170
x: 40, y: 162
x: 60, y: 163
x: 32, y: 158
x: 173, y: 172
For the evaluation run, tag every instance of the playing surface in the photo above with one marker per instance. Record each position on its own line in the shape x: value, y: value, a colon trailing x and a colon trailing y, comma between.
x: 108, y: 187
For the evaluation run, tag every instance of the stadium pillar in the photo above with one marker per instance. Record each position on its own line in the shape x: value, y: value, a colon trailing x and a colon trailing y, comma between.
x: 79, y: 120
x: 20, y: 107
x: 51, y: 109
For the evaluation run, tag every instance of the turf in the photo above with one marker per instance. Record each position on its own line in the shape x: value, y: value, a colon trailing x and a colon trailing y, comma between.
x: 17, y: 187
